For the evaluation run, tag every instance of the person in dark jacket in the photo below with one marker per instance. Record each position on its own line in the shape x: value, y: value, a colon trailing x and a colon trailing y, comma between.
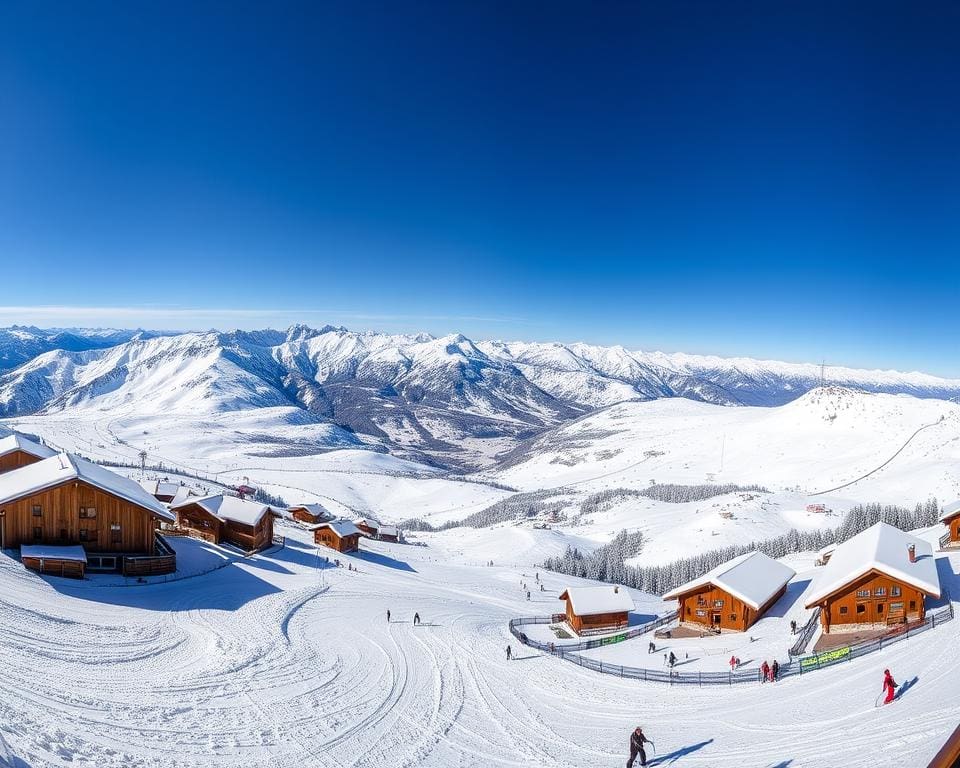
x: 637, y: 740
x: 509, y: 653
x: 774, y: 670
x: 416, y: 619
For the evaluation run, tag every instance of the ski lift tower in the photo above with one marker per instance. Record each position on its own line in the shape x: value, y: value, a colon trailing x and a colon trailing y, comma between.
x: 143, y: 462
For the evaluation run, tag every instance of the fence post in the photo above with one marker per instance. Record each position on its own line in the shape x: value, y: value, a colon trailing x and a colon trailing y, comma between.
x: 700, y: 679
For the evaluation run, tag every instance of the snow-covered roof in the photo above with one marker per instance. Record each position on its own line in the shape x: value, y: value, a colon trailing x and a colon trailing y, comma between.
x: 230, y: 508
x: 369, y: 522
x: 882, y: 548
x: 183, y: 493
x: 753, y: 578
x: 340, y: 527
x: 52, y: 552
x: 64, y: 467
x: 589, y: 601
x: 150, y: 486
x: 388, y: 530
x: 12, y: 443
x: 950, y: 510
x: 317, y: 510
x: 166, y: 488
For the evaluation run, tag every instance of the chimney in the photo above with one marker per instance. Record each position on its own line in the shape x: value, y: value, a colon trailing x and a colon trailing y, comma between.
x: 912, y: 553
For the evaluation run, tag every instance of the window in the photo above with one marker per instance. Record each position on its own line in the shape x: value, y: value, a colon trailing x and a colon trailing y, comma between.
x: 116, y: 535
x: 38, y: 532
x: 733, y: 617
x: 843, y: 610
x: 896, y: 607
x: 718, y: 603
x: 880, y: 591
x: 88, y: 513
x: 895, y: 591
x: 879, y: 607
x: 701, y: 613
x: 861, y: 608
x: 913, y: 605
x: 84, y: 534
x: 37, y: 510
x: 863, y: 593
x: 688, y: 610
x: 701, y: 600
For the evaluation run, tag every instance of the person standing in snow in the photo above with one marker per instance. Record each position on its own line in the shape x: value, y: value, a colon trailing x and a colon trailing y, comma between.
x: 889, y: 686
x: 673, y: 659
x: 733, y: 663
x: 416, y: 619
x: 793, y: 627
x: 764, y: 671
x: 388, y: 615
x: 509, y: 653
x: 774, y: 670
x: 637, y: 740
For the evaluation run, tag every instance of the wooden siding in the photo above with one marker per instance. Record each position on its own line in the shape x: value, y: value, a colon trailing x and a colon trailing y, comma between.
x: 328, y: 538
x: 16, y: 459
x: 595, y: 623
x: 366, y: 530
x: 70, y: 568
x: 714, y: 607
x: 876, y: 603
x: 59, y: 521
x: 301, y: 514
x: 953, y: 523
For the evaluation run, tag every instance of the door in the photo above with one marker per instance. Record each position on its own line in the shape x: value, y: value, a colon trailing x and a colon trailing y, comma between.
x: 716, y: 619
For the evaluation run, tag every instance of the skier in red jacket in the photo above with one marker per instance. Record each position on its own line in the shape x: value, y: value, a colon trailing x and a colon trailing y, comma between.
x: 889, y: 686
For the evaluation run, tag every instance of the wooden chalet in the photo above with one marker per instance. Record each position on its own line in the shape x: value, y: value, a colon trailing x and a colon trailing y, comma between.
x: 341, y: 535
x: 593, y: 610
x: 17, y: 452
x: 880, y: 577
x: 733, y: 595
x: 220, y: 518
x: 368, y: 526
x: 951, y: 519
x: 310, y: 513
x: 163, y: 490
x: 388, y: 533
x: 64, y: 502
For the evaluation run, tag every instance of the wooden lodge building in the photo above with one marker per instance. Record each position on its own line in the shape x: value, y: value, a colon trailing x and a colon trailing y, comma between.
x: 68, y: 515
x: 594, y: 610
x: 220, y: 518
x: 951, y: 519
x: 341, y: 535
x: 17, y: 452
x: 388, y: 533
x: 164, y: 491
x: 882, y: 576
x: 733, y: 595
x: 311, y: 514
x: 368, y: 526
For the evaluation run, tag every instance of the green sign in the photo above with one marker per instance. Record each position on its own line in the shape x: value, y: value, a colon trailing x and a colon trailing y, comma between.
x: 613, y: 639
x: 825, y: 658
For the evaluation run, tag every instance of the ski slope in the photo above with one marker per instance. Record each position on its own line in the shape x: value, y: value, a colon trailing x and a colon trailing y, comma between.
x: 277, y: 661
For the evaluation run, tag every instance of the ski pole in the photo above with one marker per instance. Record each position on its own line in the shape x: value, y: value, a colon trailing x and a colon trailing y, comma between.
x: 653, y: 745
x: 876, y: 702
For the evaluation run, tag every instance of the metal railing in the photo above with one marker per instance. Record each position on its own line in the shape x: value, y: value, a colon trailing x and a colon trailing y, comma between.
x: 798, y: 665
x: 945, y: 539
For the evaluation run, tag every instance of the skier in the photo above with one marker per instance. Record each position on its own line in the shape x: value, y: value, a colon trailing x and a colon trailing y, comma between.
x: 637, y: 740
x: 388, y: 615
x: 528, y: 594
x: 509, y: 653
x: 889, y: 686
x: 793, y: 627
x: 765, y: 671
x: 774, y: 670
x: 673, y: 659
x: 416, y: 619
x: 733, y: 663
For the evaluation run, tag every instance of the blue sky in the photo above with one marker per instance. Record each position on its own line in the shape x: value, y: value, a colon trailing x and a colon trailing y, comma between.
x: 774, y: 180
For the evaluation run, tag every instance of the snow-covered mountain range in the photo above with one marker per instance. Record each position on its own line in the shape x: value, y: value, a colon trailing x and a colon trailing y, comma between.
x: 447, y: 399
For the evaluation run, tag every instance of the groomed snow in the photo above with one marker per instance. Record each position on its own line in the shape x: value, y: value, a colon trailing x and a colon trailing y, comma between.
x: 590, y: 601
x: 885, y: 549
x: 753, y: 578
x: 63, y: 468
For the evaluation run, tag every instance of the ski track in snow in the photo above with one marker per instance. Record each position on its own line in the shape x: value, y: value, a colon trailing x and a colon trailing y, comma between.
x: 271, y: 662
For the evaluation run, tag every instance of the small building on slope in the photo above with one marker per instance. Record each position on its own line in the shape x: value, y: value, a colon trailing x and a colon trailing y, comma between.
x: 733, y: 595
x: 310, y: 513
x: 368, y: 526
x: 63, y: 502
x: 389, y: 533
x: 69, y: 561
x: 592, y: 610
x: 220, y: 518
x: 881, y: 576
x: 17, y: 452
x: 341, y: 535
x: 951, y: 519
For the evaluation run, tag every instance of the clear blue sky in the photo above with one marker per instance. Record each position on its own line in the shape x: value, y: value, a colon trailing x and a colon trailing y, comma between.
x: 771, y: 179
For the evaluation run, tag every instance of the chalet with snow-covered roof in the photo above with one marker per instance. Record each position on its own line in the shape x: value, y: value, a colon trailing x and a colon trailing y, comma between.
x: 388, y: 533
x: 879, y: 577
x: 162, y: 490
x: 17, y: 451
x: 592, y: 610
x: 311, y: 514
x: 341, y: 535
x: 733, y: 595
x: 368, y: 526
x: 64, y: 502
x: 220, y: 518
x: 951, y: 519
